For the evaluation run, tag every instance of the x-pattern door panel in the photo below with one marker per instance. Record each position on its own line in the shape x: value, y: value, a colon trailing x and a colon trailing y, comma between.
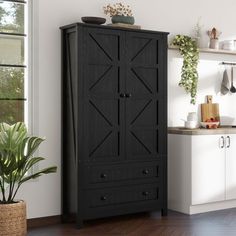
x: 104, y: 131
x: 103, y: 106
x: 141, y: 49
x: 105, y: 45
x: 143, y: 83
x: 122, y: 127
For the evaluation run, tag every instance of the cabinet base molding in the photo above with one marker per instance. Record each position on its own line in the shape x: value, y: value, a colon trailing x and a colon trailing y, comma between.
x: 202, y: 208
x: 43, y: 221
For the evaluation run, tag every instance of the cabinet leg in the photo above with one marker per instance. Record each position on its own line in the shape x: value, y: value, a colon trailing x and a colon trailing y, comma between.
x: 79, y: 224
x: 164, y: 211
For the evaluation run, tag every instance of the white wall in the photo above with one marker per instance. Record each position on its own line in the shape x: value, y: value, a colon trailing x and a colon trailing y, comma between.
x: 43, y: 196
x: 210, y: 77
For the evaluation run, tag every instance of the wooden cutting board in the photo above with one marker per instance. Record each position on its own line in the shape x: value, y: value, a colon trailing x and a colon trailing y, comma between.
x: 210, y: 110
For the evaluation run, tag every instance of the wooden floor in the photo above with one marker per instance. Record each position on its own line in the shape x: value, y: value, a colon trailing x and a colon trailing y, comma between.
x: 219, y: 223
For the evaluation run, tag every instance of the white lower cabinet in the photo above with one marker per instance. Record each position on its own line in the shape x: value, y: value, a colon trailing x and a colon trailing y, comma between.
x: 201, y: 172
x: 208, y: 169
x: 230, y: 167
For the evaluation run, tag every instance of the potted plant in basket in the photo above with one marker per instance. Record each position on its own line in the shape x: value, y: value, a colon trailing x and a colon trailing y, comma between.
x: 119, y: 13
x: 16, y: 160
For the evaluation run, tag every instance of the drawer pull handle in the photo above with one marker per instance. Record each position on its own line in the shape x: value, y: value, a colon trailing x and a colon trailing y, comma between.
x: 103, y: 198
x: 228, y: 141
x: 222, y: 142
x: 103, y: 176
x: 145, y: 193
x: 145, y: 172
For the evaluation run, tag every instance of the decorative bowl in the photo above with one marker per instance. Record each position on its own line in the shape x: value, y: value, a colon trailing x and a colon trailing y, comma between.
x: 210, y: 125
x: 93, y: 20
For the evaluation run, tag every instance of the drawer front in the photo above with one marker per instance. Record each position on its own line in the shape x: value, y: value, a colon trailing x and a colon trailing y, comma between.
x: 122, y: 195
x: 106, y: 174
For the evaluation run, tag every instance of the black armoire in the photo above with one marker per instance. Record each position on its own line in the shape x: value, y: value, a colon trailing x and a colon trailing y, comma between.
x: 114, y: 121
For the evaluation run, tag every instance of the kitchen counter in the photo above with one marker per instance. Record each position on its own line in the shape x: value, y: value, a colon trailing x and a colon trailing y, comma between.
x: 202, y: 131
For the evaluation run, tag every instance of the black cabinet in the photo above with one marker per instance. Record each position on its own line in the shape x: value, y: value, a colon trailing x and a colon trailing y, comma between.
x: 114, y: 121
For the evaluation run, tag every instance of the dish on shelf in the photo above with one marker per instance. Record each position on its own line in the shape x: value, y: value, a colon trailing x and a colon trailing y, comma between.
x: 191, y: 124
x: 93, y: 20
x: 210, y: 125
x: 228, y: 45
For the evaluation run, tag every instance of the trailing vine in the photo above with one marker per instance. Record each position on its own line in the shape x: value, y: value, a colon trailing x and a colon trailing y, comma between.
x: 189, y: 76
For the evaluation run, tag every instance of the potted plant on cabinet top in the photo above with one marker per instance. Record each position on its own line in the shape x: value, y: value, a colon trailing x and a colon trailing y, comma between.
x: 119, y: 13
x: 16, y: 160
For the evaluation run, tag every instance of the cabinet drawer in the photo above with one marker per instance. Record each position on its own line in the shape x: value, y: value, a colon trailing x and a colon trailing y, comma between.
x: 122, y: 172
x: 122, y: 195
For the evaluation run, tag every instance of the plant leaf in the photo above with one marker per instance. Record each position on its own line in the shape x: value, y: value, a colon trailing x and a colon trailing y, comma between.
x: 49, y: 170
x: 16, y: 158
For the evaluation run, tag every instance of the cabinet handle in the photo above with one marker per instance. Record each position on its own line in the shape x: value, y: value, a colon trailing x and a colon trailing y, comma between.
x: 145, y: 172
x: 222, y: 143
x: 128, y: 95
x: 228, y: 141
x: 103, y: 176
x: 122, y: 95
x: 145, y: 193
x: 103, y: 198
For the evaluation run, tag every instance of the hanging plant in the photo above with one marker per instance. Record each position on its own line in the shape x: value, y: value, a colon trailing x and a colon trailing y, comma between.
x: 189, y: 76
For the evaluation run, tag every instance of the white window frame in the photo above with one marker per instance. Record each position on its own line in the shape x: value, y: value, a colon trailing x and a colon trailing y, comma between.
x: 32, y: 50
x: 32, y: 21
x: 29, y: 63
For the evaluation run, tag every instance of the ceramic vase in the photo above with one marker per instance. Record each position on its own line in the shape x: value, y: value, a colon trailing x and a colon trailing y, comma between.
x: 122, y: 19
x: 214, y: 44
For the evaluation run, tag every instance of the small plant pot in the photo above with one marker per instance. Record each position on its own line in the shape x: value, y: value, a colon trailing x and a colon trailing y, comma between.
x: 123, y: 19
x: 214, y: 44
x: 198, y: 41
x: 13, y: 219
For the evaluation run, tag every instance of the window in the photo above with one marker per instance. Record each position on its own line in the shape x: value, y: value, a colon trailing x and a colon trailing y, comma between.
x: 13, y: 69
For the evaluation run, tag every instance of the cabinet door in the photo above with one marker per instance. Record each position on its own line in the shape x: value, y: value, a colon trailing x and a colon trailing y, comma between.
x: 230, y: 143
x: 208, y: 169
x: 103, y: 106
x: 146, y: 90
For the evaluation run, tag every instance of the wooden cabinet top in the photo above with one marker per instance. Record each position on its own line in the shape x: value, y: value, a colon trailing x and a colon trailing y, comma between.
x: 112, y: 27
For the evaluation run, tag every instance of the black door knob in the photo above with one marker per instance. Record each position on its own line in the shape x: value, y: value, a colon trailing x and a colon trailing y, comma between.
x: 145, y: 172
x: 145, y: 193
x: 122, y: 95
x: 103, y: 198
x: 103, y: 176
x: 128, y: 95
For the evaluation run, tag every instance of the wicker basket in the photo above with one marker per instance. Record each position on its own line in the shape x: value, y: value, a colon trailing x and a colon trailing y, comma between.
x: 13, y: 219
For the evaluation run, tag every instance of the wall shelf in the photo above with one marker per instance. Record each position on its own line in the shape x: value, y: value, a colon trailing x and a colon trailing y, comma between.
x: 208, y: 50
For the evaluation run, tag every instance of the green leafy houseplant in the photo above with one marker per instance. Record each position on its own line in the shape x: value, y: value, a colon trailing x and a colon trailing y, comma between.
x: 16, y: 159
x: 189, y: 76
